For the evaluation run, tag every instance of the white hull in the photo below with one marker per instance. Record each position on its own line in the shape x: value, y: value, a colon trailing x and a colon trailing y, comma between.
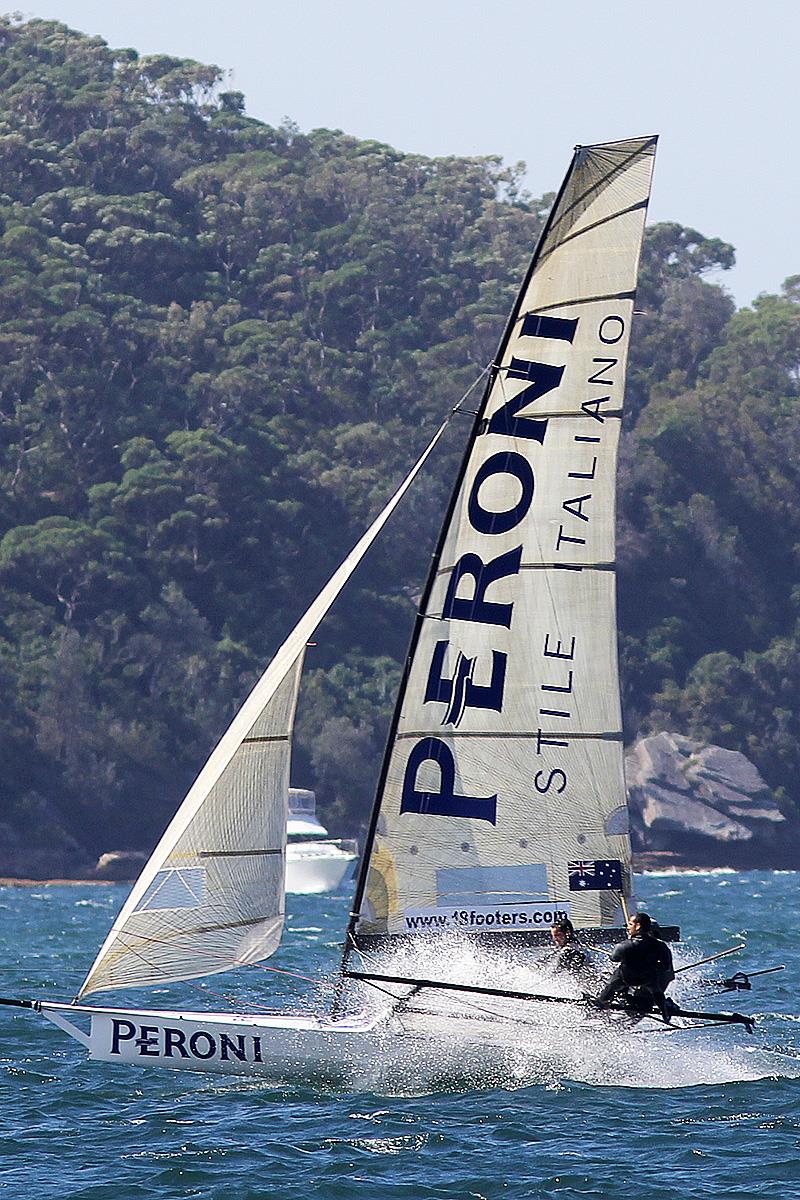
x: 360, y: 1051
x: 317, y: 867
x: 281, y: 1047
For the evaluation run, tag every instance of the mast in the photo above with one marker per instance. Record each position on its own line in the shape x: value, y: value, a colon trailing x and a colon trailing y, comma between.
x: 444, y: 819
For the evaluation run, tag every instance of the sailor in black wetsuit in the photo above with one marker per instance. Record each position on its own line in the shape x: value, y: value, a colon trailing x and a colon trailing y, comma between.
x: 645, y: 968
x: 567, y: 955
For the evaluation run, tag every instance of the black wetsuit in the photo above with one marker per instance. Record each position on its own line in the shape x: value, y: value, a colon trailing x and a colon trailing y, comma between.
x: 565, y: 958
x: 644, y: 962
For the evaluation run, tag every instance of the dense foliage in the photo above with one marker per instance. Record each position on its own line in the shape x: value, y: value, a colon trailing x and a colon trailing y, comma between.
x: 220, y: 345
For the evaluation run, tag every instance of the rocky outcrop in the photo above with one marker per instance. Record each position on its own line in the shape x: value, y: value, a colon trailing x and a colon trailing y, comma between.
x: 698, y: 805
x: 119, y: 865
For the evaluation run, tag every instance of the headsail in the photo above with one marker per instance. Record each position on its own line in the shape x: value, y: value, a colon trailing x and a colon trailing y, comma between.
x: 211, y: 896
x: 502, y: 801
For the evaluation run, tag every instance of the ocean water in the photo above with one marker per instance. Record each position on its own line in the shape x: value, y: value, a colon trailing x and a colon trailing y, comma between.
x: 649, y: 1114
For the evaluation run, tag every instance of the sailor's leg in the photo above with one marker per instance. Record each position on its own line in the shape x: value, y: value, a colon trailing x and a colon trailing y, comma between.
x: 667, y: 1006
x: 614, y: 985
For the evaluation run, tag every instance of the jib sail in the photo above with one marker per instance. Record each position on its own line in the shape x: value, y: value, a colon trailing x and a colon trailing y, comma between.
x: 211, y: 896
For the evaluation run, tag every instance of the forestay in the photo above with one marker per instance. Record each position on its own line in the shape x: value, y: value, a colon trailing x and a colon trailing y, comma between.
x: 211, y: 896
x: 502, y: 801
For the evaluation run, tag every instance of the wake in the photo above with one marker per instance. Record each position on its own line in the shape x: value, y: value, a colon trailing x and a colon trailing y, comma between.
x: 435, y: 1040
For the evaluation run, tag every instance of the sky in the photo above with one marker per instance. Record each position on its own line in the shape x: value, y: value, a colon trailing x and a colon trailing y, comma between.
x: 525, y: 80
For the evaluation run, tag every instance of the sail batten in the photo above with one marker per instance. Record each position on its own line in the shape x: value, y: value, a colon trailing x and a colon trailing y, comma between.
x: 237, y: 853
x: 578, y: 300
x: 505, y: 752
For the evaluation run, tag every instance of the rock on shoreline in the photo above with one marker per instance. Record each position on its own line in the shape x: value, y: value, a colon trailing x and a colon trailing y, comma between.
x: 698, y: 805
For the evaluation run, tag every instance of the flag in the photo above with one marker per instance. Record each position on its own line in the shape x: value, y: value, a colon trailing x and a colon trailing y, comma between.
x: 597, y: 876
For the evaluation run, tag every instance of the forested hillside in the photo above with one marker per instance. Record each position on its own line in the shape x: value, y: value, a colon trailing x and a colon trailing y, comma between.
x: 221, y: 344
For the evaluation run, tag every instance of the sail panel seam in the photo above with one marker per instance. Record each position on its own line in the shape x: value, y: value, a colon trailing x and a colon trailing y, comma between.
x: 555, y: 416
x: 609, y: 736
x: 547, y: 566
x: 277, y: 737
x: 540, y: 308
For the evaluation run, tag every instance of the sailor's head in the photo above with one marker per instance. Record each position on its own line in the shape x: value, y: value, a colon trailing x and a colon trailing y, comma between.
x: 639, y: 924
x: 562, y: 932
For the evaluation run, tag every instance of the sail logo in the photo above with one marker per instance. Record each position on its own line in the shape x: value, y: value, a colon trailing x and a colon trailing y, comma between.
x: 492, y: 918
x: 470, y: 594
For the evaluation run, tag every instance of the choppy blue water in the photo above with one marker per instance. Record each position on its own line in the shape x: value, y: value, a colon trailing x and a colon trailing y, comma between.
x: 708, y: 1115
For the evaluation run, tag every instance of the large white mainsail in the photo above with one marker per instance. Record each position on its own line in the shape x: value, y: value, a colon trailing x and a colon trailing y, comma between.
x: 211, y: 897
x: 501, y: 804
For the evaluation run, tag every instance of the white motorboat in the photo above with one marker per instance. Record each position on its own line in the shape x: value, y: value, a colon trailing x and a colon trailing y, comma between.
x: 315, y: 862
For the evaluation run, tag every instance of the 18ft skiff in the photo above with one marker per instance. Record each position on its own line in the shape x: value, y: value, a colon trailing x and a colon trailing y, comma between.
x: 501, y: 804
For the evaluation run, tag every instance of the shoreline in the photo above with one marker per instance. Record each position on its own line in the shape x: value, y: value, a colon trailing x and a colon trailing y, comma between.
x: 12, y: 881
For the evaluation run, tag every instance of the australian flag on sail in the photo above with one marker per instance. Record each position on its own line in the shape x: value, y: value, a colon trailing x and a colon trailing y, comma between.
x: 597, y: 876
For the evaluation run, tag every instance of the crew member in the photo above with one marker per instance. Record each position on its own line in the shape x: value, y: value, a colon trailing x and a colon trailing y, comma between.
x: 567, y: 955
x: 645, y: 967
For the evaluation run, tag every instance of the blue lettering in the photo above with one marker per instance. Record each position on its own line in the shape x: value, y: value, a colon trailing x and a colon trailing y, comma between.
x: 445, y: 802
x: 175, y: 1039
x: 460, y: 692
x: 226, y: 1043
x: 211, y: 1047
x: 592, y: 408
x: 599, y: 377
x: 476, y: 607
x: 543, y: 379
x: 612, y: 330
x: 575, y: 506
x: 504, y: 463
x: 147, y: 1040
x: 556, y: 776
x: 117, y: 1034
x: 562, y: 329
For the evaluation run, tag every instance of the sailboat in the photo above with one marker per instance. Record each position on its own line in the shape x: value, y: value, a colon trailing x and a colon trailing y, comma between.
x: 501, y: 803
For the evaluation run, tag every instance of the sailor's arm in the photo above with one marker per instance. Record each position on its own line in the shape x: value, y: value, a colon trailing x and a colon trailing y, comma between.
x: 667, y: 967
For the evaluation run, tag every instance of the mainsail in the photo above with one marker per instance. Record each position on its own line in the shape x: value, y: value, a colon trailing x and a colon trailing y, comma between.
x: 501, y: 805
x: 211, y: 897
